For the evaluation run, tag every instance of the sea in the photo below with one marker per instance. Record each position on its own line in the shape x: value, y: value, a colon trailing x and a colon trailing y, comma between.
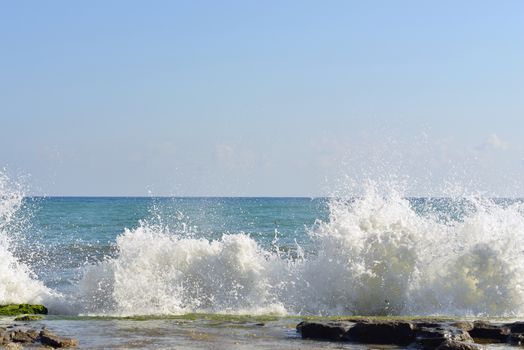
x: 240, y: 273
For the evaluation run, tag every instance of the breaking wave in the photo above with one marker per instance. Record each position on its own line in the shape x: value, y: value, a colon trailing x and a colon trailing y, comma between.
x: 379, y: 254
x: 17, y: 283
x: 376, y: 255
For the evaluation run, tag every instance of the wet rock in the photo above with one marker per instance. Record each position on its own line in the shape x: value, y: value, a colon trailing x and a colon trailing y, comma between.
x: 358, y: 320
x: 431, y: 338
x: 389, y: 332
x: 20, y: 336
x: 34, y: 334
x: 486, y: 332
x: 4, y: 337
x: 430, y: 322
x: 516, y: 327
x: 13, y: 346
x: 27, y: 318
x: 516, y: 339
x: 457, y: 345
x: 3, y: 331
x: 55, y: 341
x: 464, y: 325
x: 419, y: 325
x: 22, y: 309
x: 426, y: 334
x: 323, y: 330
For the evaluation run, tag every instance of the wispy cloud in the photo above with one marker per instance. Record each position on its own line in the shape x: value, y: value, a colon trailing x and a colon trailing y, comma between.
x: 493, y: 141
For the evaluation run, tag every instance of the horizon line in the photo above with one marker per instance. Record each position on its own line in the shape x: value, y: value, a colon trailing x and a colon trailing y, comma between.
x: 246, y: 197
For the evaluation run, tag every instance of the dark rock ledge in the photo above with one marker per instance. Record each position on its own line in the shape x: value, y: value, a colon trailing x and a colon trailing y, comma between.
x: 421, y: 334
x: 19, y: 335
x: 16, y: 337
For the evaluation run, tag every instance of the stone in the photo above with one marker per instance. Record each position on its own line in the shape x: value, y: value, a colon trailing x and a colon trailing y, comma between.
x: 34, y: 334
x: 4, y: 337
x: 20, y: 336
x: 419, y: 325
x: 431, y: 338
x: 464, y: 325
x: 430, y: 322
x: 457, y: 345
x: 382, y: 332
x: 323, y: 330
x: 358, y: 320
x: 28, y: 318
x: 55, y: 341
x: 13, y: 346
x: 516, y: 327
x: 489, y: 333
x: 21, y: 309
x: 516, y: 339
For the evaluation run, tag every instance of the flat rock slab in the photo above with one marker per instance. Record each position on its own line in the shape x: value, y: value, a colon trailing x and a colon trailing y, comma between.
x: 486, y: 332
x: 432, y: 337
x: 422, y: 334
x: 53, y: 340
x: 399, y: 333
x: 516, y: 327
x: 15, y: 337
x: 457, y: 345
x: 327, y: 331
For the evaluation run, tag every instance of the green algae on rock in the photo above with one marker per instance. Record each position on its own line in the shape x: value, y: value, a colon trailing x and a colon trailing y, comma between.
x: 22, y: 309
x: 25, y: 318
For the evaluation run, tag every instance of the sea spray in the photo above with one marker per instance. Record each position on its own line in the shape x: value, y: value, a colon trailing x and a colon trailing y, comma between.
x: 161, y: 273
x: 388, y: 259
x: 483, y: 270
x: 375, y: 255
x: 367, y: 257
x: 17, y: 283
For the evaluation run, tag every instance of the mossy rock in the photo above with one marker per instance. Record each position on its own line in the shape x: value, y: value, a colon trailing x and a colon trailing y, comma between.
x: 29, y: 318
x: 22, y: 309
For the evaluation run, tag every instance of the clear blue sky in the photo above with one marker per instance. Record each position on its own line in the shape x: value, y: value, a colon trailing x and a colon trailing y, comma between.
x: 261, y: 97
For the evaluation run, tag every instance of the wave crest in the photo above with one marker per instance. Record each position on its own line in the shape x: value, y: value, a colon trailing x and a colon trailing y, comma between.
x: 376, y: 255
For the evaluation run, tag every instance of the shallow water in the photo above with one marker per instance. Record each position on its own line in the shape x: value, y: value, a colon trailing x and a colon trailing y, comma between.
x: 195, y: 332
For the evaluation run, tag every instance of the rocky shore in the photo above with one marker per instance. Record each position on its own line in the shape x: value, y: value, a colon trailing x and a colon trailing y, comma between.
x: 18, y: 332
x: 427, y: 334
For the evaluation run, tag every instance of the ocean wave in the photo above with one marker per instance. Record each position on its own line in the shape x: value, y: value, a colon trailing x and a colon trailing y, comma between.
x: 374, y: 255
x: 17, y: 282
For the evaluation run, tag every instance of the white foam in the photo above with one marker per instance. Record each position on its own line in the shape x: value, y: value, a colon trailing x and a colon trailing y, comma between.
x: 375, y: 256
x: 160, y: 273
x: 378, y: 256
x: 17, y: 283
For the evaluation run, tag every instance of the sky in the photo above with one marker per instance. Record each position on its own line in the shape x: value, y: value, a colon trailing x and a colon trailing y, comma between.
x: 262, y: 98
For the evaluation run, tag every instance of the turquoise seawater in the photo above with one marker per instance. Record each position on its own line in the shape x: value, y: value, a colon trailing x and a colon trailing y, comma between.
x: 240, y: 273
x: 57, y: 237
x: 66, y: 233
